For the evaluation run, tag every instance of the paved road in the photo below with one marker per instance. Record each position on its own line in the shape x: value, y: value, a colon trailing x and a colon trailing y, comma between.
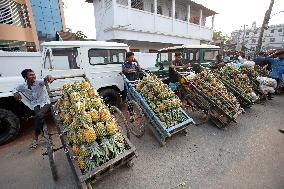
x: 248, y: 154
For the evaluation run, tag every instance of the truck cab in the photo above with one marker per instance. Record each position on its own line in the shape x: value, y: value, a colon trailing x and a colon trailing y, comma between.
x: 100, y: 61
x: 198, y: 55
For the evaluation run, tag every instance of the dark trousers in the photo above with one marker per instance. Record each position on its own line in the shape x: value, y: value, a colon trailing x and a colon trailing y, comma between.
x: 39, y: 118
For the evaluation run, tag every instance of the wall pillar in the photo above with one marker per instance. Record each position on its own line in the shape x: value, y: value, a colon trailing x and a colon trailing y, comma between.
x: 174, y: 13
x: 200, y: 17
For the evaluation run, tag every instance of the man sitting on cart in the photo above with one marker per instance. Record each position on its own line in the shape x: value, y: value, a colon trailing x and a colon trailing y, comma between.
x: 175, y: 66
x: 35, y: 91
x: 131, y: 68
x: 219, y: 62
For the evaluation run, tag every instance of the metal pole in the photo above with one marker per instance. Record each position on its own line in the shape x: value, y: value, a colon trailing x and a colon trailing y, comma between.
x: 243, y: 45
x: 264, y: 25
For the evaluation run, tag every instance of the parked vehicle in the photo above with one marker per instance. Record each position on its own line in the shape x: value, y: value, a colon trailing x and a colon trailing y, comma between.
x: 100, y: 61
x: 199, y: 55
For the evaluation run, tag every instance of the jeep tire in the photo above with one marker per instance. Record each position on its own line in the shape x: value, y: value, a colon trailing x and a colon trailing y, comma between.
x: 9, y: 126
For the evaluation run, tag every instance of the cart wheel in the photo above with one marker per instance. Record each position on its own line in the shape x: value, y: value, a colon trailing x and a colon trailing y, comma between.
x: 130, y: 164
x: 121, y: 120
x: 50, y: 152
x: 136, y: 119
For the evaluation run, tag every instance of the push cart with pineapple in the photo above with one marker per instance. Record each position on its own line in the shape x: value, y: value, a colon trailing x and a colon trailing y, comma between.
x: 102, y: 155
x: 141, y: 111
x: 238, y: 83
x: 202, y: 94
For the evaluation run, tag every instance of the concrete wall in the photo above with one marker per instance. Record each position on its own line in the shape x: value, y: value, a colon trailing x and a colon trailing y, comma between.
x: 12, y: 63
x: 117, y: 21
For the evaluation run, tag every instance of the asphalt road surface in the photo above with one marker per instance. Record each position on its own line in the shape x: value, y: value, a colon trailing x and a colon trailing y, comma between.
x: 247, y: 155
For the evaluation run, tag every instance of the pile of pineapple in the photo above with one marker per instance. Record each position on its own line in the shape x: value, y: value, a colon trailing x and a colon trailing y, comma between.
x: 162, y: 100
x: 92, y: 131
x: 217, y: 92
x: 238, y: 80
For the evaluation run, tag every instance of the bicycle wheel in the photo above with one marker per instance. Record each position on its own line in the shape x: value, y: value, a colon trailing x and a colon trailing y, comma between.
x: 50, y: 153
x: 136, y: 119
x: 121, y: 120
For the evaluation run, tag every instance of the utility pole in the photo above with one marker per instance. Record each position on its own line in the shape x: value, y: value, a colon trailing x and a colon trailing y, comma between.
x: 264, y: 26
x: 243, y: 44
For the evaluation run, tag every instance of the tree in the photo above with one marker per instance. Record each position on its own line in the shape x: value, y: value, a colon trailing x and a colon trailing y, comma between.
x: 80, y: 36
x: 219, y: 37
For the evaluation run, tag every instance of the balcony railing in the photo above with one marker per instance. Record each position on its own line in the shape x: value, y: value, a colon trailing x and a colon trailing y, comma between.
x: 146, y: 21
x: 13, y: 13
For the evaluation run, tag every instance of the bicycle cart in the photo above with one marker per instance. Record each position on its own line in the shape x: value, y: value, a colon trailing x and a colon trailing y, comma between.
x: 85, y: 180
x: 198, y: 100
x: 142, y: 113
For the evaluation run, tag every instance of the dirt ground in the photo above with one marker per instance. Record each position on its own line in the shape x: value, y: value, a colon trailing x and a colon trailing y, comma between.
x: 248, y: 154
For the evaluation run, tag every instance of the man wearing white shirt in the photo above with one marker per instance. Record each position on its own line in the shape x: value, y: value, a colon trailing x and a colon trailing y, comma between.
x: 36, y: 92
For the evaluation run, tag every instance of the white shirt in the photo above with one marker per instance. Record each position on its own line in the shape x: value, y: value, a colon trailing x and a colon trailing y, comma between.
x: 37, y: 94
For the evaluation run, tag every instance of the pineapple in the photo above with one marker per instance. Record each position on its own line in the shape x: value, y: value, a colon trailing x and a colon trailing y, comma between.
x: 84, y: 153
x: 94, y: 115
x: 87, y: 118
x: 76, y: 149
x: 78, y: 138
x: 100, y: 129
x: 85, y: 86
x: 89, y: 135
x: 111, y: 127
x: 81, y: 163
x: 104, y: 114
x: 74, y: 97
x: 92, y: 93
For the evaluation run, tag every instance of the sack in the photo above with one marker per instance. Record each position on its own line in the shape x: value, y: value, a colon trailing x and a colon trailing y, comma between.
x: 249, y: 64
x: 266, y: 89
x: 266, y: 81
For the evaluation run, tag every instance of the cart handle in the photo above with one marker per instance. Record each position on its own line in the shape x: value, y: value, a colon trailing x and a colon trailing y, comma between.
x: 70, y: 76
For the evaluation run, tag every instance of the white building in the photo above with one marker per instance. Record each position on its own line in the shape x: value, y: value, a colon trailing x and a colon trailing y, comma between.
x: 273, y: 38
x: 149, y: 25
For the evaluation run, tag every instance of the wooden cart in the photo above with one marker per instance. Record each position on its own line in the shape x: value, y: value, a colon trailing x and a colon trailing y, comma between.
x: 148, y: 116
x: 86, y: 180
x: 201, y: 102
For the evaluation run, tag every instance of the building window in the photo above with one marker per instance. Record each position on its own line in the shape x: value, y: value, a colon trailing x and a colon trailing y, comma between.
x: 280, y: 30
x: 106, y: 56
x: 137, y: 4
x: 152, y: 8
x: 272, y: 31
x: 159, y: 10
x: 272, y: 39
x: 153, y: 51
x: 135, y: 50
x: 5, y: 15
x: 253, y: 40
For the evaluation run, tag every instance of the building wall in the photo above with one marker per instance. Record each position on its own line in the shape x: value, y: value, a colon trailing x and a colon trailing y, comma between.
x: 115, y: 20
x: 49, y: 18
x: 16, y: 22
x: 273, y: 38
